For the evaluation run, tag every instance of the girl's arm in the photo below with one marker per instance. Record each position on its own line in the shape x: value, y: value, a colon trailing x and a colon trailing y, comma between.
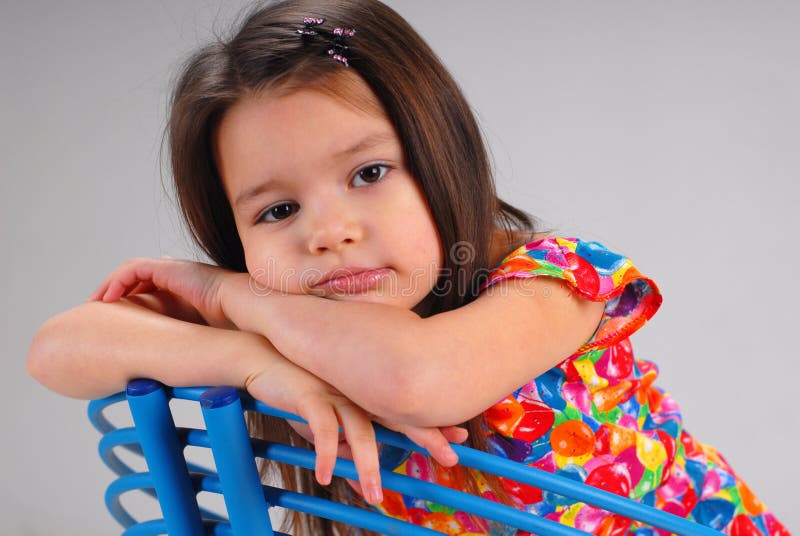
x: 94, y: 349
x: 437, y: 371
x: 434, y: 371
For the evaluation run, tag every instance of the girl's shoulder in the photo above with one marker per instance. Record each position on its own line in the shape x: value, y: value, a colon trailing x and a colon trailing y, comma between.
x: 593, y: 272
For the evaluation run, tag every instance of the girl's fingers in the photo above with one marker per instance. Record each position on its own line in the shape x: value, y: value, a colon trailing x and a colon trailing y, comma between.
x: 128, y: 278
x: 432, y: 440
x: 142, y: 287
x: 325, y: 429
x: 125, y: 280
x: 435, y: 440
x: 133, y: 277
x: 347, y: 453
x: 360, y: 436
x: 99, y: 291
x: 116, y: 290
x: 455, y: 434
x: 112, y: 289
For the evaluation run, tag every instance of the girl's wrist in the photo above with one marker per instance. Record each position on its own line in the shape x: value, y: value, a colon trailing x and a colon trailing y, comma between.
x: 250, y: 306
x: 250, y: 356
x: 268, y: 376
x: 234, y: 292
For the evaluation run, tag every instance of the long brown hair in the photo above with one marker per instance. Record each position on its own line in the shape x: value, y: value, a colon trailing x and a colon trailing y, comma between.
x: 443, y: 149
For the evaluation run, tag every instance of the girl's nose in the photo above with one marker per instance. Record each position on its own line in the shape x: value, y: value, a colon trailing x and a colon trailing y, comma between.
x: 333, y: 230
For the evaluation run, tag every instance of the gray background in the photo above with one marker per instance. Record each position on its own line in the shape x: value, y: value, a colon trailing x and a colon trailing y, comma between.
x: 667, y: 130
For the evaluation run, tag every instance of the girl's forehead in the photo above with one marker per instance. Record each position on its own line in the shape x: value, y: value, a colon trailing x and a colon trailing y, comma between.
x: 343, y: 99
x: 341, y: 84
x: 316, y: 120
x: 289, y: 133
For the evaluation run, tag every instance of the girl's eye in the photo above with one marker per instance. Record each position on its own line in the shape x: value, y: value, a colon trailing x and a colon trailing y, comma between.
x: 276, y: 212
x: 372, y: 173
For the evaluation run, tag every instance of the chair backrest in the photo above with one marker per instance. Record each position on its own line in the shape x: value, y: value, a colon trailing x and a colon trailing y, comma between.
x: 176, y: 481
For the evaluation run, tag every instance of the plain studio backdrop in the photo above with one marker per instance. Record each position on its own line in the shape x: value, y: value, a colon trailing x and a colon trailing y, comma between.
x: 668, y: 131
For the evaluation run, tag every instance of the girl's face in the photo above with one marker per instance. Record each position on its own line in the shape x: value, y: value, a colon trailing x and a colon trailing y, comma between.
x: 318, y: 185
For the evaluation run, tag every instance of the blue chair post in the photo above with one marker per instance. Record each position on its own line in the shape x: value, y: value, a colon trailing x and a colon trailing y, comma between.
x: 233, y: 455
x: 159, y: 440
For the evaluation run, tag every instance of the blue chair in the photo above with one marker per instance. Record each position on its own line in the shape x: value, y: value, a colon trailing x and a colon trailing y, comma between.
x: 176, y: 482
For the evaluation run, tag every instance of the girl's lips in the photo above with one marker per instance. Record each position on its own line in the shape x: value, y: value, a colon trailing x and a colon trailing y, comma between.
x: 359, y: 282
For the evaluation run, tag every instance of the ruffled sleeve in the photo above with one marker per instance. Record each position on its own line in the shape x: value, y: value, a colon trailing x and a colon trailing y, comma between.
x: 594, y: 272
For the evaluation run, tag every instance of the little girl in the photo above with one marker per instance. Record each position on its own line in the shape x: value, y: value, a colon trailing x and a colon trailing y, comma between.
x: 365, y: 269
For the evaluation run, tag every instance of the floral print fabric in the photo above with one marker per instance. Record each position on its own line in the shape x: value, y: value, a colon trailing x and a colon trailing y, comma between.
x: 597, y: 417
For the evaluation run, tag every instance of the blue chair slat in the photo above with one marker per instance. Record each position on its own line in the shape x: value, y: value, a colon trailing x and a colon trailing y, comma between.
x: 164, y: 454
x: 222, y: 529
x: 96, y: 408
x: 233, y: 456
x: 147, y: 528
x: 124, y: 437
x: 366, y: 519
x: 424, y: 490
x: 177, y: 480
x: 124, y: 484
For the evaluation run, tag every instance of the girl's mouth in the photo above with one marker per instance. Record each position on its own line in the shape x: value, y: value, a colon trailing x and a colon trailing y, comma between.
x: 353, y: 283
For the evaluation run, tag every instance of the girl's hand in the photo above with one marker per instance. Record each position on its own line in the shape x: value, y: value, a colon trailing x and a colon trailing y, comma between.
x: 434, y: 440
x: 196, y: 282
x: 293, y: 389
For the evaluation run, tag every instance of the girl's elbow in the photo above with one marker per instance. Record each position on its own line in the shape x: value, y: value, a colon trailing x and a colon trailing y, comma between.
x: 414, y: 400
x: 402, y: 402
x: 40, y: 360
x: 55, y: 363
x: 391, y: 395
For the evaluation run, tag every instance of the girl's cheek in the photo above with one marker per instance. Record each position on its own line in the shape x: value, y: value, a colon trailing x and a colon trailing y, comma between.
x: 265, y: 275
x: 259, y: 282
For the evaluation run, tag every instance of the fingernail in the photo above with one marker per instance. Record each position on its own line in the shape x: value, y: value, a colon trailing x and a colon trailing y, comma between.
x: 325, y: 479
x: 374, y: 494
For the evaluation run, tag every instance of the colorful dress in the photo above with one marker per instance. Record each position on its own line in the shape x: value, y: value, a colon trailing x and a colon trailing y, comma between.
x: 597, y: 417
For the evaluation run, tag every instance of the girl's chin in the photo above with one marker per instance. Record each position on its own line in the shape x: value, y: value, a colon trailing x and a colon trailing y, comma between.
x: 380, y: 295
x: 374, y: 297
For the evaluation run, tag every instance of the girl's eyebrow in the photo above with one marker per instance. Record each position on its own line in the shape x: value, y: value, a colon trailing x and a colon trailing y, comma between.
x: 367, y: 142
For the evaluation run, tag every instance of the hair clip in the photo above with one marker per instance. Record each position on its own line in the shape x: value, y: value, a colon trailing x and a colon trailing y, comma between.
x: 310, y: 23
x: 339, y: 46
x: 344, y: 32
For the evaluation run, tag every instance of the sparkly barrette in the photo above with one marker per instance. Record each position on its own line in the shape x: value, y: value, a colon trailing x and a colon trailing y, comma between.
x: 338, y: 45
x: 309, y: 23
